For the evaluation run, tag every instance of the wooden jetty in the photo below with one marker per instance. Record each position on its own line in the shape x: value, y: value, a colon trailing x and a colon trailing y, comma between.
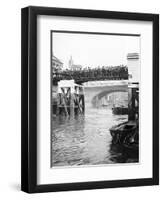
x: 69, y: 98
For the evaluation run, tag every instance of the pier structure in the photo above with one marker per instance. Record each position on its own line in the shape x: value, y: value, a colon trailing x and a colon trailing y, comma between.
x: 133, y: 64
x: 70, y: 98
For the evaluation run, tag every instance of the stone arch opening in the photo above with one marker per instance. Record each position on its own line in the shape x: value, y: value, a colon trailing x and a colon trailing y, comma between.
x: 110, y: 97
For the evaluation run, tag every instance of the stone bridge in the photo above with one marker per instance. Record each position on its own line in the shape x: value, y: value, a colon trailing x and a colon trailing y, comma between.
x: 95, y: 90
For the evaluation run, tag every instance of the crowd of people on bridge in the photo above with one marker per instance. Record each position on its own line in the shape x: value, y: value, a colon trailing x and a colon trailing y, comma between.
x: 104, y: 72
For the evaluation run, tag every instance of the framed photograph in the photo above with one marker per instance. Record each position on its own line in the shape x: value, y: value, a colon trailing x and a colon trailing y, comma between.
x: 90, y: 99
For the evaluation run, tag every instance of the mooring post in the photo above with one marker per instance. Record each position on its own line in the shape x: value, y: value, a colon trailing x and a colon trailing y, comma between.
x: 58, y: 104
x: 72, y: 107
x: 131, y: 103
x: 83, y: 103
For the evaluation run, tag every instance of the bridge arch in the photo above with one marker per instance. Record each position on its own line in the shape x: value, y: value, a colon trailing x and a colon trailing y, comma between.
x: 97, y: 98
x: 94, y: 93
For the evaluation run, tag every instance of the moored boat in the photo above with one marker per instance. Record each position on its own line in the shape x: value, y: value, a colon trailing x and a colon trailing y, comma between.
x: 124, y: 133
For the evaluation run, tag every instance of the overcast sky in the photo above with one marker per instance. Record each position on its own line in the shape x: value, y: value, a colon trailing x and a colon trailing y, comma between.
x: 94, y: 50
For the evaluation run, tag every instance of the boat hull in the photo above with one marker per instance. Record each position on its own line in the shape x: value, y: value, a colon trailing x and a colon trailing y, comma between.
x: 125, y: 134
x: 120, y: 110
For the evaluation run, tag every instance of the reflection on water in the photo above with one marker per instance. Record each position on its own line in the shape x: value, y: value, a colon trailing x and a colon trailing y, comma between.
x: 86, y: 140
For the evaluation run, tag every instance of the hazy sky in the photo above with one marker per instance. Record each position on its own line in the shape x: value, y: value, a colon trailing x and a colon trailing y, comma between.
x: 94, y: 50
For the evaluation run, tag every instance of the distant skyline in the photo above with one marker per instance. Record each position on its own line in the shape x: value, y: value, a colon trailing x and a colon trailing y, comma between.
x: 93, y: 50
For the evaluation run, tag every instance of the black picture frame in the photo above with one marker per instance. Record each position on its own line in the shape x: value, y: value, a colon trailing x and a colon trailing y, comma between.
x: 29, y: 99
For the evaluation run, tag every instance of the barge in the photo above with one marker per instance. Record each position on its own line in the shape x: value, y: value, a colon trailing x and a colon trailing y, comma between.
x: 126, y: 134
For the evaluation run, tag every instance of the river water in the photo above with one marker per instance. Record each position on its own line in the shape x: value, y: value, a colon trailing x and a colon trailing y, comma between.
x: 86, y: 140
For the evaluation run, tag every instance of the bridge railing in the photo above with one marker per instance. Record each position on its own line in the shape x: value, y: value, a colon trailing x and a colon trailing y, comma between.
x: 117, y: 73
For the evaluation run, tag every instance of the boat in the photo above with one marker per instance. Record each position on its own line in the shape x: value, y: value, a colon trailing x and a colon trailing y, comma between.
x: 125, y: 133
x: 120, y: 110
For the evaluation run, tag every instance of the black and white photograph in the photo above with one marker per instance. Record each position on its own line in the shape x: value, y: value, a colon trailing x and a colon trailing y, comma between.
x: 95, y: 85
x: 90, y: 99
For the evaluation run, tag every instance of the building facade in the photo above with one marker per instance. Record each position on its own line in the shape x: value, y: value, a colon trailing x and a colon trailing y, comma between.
x: 73, y: 66
x: 57, y: 65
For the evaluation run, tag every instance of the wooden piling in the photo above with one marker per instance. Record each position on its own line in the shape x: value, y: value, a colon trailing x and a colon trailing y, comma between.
x: 132, y: 95
x: 70, y: 98
x: 72, y: 106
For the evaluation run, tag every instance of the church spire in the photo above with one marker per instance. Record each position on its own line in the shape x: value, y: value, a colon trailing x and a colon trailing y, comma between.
x: 71, y: 62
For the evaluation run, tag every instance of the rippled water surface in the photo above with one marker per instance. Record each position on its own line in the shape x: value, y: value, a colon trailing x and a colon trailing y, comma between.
x: 86, y: 140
